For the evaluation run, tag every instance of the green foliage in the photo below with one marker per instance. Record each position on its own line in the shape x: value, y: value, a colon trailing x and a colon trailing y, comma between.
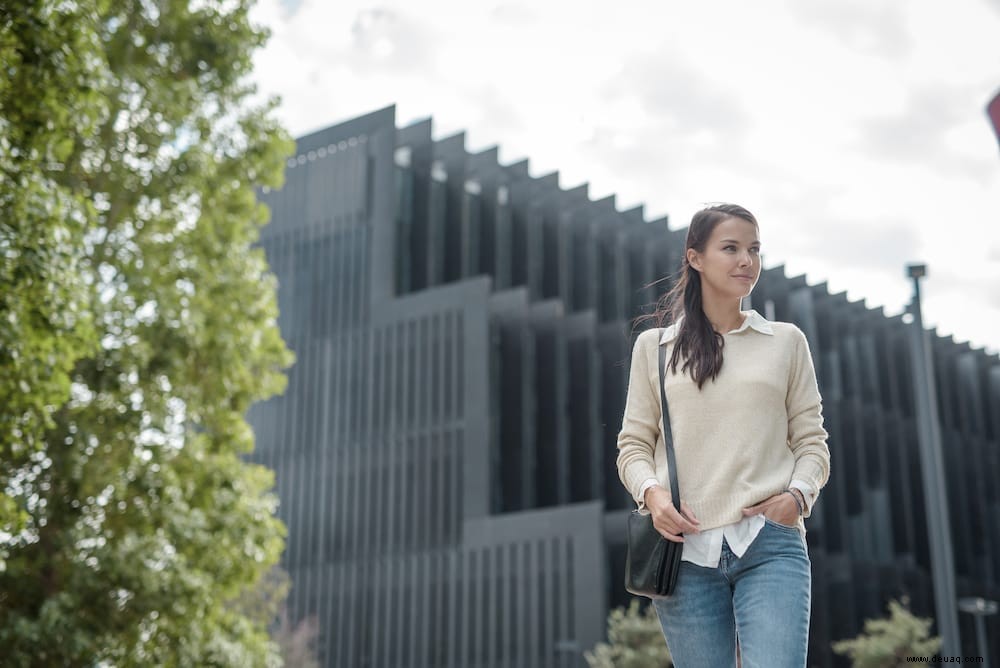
x: 635, y: 641
x: 887, y: 642
x: 45, y: 326
x: 137, y: 326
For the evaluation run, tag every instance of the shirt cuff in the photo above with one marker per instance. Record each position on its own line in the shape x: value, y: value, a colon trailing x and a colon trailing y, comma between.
x: 646, y: 484
x: 808, y: 495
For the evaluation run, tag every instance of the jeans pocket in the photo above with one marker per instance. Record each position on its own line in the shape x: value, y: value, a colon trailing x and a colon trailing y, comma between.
x: 779, y: 525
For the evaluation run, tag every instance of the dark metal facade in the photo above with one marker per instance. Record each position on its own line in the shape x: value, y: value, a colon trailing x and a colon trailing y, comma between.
x: 445, y: 450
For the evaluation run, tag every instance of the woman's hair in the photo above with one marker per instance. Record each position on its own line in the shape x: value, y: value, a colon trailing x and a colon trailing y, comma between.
x: 697, y: 342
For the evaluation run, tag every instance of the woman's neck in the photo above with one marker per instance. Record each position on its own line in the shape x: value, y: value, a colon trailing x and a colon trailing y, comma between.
x: 724, y: 317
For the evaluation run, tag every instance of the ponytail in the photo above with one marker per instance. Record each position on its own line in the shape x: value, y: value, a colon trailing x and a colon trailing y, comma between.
x: 697, y: 342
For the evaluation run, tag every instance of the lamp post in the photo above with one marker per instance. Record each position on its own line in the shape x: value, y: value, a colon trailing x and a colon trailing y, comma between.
x: 979, y: 608
x: 932, y: 470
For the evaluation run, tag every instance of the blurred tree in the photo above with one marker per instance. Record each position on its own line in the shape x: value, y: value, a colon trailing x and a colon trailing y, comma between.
x: 888, y: 642
x: 635, y: 640
x: 45, y: 325
x: 137, y: 325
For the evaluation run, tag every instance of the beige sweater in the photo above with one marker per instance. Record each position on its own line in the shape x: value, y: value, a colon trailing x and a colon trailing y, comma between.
x: 739, y: 440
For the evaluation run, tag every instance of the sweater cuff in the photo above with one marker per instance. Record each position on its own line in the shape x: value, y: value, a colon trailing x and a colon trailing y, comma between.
x: 809, y: 494
x: 811, y: 469
x: 649, y: 482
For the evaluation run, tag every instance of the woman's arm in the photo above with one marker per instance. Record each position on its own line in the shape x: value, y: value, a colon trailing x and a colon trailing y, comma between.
x: 641, y: 421
x: 806, y: 435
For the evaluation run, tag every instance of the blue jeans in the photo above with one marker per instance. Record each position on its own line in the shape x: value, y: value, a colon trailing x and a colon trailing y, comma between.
x: 763, y: 596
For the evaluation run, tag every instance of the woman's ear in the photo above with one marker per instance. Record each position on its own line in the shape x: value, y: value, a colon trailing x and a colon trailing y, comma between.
x: 693, y: 258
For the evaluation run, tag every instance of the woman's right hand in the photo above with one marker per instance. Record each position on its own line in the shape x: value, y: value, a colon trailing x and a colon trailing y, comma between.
x: 670, y: 523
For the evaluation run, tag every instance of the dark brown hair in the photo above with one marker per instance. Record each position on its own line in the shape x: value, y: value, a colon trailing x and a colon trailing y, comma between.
x: 697, y: 342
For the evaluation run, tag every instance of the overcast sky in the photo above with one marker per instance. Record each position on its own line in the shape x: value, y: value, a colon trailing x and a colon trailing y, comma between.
x: 855, y: 131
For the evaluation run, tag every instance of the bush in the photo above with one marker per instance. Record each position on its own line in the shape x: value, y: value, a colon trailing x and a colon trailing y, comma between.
x: 886, y: 643
x: 635, y: 641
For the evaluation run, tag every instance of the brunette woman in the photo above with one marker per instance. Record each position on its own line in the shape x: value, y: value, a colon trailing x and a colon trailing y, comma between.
x: 751, y: 453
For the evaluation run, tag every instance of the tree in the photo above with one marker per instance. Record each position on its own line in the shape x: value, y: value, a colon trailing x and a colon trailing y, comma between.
x: 137, y: 325
x: 635, y: 641
x: 886, y: 643
x: 44, y: 324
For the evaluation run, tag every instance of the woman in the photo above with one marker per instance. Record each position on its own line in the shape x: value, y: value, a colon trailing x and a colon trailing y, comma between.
x: 751, y: 453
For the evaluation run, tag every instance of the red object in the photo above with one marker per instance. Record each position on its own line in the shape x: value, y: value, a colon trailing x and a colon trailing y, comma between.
x: 993, y: 111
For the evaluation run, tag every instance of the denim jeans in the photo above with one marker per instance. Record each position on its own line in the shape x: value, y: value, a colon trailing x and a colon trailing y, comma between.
x: 763, y: 596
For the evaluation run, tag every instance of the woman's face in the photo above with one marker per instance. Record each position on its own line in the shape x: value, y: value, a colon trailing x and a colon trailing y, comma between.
x: 730, y: 264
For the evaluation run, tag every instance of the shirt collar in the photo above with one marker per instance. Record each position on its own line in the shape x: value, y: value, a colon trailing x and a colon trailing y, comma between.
x: 753, y: 320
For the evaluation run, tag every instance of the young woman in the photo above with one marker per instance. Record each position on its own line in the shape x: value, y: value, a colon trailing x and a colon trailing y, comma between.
x: 751, y: 453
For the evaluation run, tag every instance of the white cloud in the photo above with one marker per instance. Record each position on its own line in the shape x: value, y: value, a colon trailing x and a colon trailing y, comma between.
x: 855, y: 132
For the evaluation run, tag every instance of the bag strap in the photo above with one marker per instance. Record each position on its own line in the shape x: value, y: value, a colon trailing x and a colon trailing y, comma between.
x: 675, y: 492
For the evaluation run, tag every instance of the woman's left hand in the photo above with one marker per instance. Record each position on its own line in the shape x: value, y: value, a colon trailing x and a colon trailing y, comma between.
x: 780, y: 508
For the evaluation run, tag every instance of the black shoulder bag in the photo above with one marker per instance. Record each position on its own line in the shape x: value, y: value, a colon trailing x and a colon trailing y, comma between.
x: 652, y: 561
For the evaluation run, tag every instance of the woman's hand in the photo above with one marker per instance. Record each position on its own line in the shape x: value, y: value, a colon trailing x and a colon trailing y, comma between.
x: 670, y: 523
x: 780, y: 508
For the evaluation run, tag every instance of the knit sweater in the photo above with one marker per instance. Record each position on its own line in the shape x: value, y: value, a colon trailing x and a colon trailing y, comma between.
x: 741, y: 438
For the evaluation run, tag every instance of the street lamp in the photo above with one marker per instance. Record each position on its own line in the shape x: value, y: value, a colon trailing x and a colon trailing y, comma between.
x: 932, y: 473
x: 979, y: 607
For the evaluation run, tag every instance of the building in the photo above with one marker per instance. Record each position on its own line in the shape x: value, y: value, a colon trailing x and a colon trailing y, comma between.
x: 444, y: 452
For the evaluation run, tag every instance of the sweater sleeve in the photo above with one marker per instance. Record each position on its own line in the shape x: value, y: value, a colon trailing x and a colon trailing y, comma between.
x: 806, y: 435
x: 640, y: 423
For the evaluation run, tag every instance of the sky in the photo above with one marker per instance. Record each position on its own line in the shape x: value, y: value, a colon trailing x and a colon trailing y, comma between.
x: 855, y: 131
